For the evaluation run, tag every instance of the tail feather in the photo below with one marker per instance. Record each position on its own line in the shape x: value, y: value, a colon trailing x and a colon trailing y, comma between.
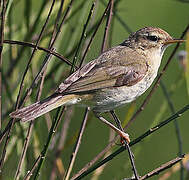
x: 41, y: 107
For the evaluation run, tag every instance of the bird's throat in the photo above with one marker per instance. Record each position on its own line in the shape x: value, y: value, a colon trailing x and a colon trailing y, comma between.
x: 154, y: 57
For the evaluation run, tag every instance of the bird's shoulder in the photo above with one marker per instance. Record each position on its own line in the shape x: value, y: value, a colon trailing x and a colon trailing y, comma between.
x: 120, y: 55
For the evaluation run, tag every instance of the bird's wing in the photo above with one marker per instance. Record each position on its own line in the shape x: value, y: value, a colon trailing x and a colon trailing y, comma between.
x: 109, y: 77
x: 81, y: 72
x: 109, y: 70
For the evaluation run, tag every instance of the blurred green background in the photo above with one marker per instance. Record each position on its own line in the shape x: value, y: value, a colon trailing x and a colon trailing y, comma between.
x: 162, y: 146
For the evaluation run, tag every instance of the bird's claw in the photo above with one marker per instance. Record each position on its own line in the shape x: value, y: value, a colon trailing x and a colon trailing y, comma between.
x: 124, y: 136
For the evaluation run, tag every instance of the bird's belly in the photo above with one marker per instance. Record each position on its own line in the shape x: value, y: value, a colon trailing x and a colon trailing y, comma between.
x: 110, y: 98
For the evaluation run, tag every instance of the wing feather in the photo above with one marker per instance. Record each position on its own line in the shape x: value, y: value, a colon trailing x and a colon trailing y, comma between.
x: 109, y: 77
x: 111, y: 69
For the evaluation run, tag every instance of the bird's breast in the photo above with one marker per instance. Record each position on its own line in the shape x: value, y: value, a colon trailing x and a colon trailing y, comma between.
x: 110, y: 98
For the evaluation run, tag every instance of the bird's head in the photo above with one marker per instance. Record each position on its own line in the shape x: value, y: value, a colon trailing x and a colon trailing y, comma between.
x: 151, y: 38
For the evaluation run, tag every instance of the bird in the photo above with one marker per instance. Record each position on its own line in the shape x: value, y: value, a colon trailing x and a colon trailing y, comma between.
x: 117, y: 77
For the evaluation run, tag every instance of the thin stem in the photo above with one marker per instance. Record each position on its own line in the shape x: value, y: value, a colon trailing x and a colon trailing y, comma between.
x: 26, y: 38
x: 47, y: 58
x: 161, y: 124
x: 131, y: 157
x: 7, y: 89
x: 30, y: 173
x: 122, y: 22
x: 163, y: 167
x: 107, y: 27
x: 24, y: 149
x: 92, y: 162
x: 93, y: 35
x: 52, y: 131
x: 62, y: 139
x: 77, y: 145
x: 28, y: 44
x: 56, y: 22
x: 61, y: 24
x: 32, y: 55
x: 82, y: 37
x: 1, y: 52
x: 51, y: 44
x: 160, y: 169
x: 1, y: 59
x: 27, y: 139
x: 177, y: 129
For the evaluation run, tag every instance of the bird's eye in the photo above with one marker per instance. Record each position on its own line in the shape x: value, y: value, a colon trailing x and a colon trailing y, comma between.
x: 152, y: 38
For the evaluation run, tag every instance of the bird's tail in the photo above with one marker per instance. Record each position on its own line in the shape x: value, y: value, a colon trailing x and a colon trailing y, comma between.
x: 41, y: 107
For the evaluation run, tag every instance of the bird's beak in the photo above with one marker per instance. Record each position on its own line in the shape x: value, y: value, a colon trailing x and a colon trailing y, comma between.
x: 173, y: 41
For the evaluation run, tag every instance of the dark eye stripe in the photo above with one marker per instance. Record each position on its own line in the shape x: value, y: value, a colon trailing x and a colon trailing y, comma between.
x: 152, y: 38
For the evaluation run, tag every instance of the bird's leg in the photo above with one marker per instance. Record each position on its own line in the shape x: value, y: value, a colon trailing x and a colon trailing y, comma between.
x: 121, y: 133
x: 118, y: 123
x: 126, y: 143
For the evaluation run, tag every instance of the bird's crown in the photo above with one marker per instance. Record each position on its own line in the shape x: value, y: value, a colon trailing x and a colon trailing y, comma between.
x: 148, y: 37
